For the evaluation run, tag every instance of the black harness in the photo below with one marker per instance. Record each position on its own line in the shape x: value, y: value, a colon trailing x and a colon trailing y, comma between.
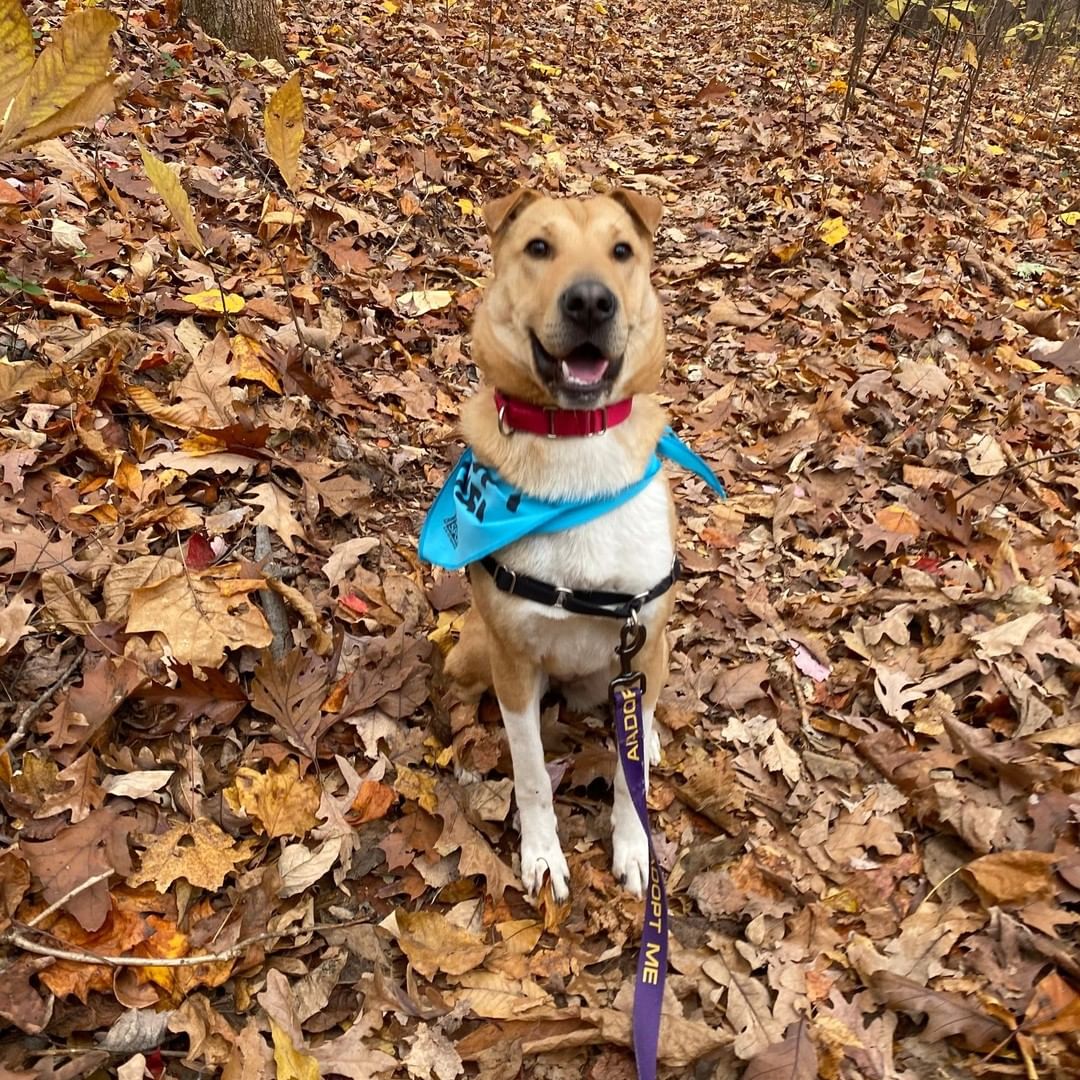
x: 613, y: 605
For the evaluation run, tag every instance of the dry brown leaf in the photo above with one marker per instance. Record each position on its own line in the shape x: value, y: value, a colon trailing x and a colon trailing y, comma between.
x: 200, y: 613
x: 432, y: 944
x: 795, y: 1058
x: 277, y: 512
x: 65, y: 604
x: 948, y: 1014
x: 198, y: 851
x: 1013, y: 877
x: 279, y: 801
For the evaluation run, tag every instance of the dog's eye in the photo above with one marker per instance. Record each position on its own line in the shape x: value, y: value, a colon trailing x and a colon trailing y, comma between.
x: 538, y: 249
x: 622, y: 252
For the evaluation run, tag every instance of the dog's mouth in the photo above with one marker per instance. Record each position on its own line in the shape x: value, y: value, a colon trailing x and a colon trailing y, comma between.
x: 580, y: 376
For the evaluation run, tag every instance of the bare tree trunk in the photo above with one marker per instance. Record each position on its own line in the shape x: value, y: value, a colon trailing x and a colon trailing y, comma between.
x: 249, y: 26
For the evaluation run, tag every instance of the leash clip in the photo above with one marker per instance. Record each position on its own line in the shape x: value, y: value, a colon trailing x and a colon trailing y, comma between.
x: 631, y: 642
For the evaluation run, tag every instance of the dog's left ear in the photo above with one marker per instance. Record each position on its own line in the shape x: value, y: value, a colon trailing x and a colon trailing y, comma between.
x: 500, y: 212
x: 644, y: 209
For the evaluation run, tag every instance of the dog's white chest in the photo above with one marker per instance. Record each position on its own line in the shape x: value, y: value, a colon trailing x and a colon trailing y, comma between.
x: 626, y: 550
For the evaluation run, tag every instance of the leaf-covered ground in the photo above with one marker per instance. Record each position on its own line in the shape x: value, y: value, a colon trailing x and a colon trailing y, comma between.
x: 868, y: 802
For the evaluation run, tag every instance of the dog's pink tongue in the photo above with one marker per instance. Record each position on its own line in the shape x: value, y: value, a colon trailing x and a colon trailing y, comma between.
x: 584, y: 372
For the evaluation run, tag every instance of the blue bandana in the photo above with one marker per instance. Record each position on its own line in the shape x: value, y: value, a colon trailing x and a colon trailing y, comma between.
x: 477, y: 512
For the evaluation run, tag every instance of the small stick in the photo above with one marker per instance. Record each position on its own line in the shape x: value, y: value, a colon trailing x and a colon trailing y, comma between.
x: 14, y: 937
x: 31, y: 711
x: 272, y: 604
x: 41, y: 916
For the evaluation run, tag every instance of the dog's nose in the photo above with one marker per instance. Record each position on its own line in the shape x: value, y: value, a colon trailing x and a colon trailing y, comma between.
x: 588, y: 303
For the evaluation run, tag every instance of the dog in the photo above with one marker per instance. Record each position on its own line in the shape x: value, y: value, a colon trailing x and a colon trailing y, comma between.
x: 570, y: 341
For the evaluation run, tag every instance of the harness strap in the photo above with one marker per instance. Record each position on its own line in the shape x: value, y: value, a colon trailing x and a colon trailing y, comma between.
x: 613, y: 605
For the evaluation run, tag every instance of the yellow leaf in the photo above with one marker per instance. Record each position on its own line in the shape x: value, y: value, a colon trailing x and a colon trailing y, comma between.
x: 944, y: 17
x: 277, y: 799
x: 466, y: 206
x: 93, y: 102
x: 420, y: 303
x: 950, y: 73
x: 213, y: 302
x: 77, y: 58
x: 545, y: 69
x: 418, y: 786
x: 837, y: 86
x: 539, y: 115
x: 284, y: 120
x: 970, y: 53
x: 896, y: 8
x: 833, y: 231
x: 167, y: 184
x: 251, y: 365
x: 16, y: 51
x: 994, y: 150
x: 517, y: 129
x: 290, y: 1063
x: 389, y: 7
x: 1070, y: 217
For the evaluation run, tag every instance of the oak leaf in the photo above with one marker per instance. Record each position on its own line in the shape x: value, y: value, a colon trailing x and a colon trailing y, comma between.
x: 277, y: 513
x: 14, y: 622
x: 198, y: 851
x: 279, y: 801
x: 291, y: 692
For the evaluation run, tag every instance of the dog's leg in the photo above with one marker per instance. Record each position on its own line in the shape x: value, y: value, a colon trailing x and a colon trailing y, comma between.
x: 519, y: 687
x: 629, y: 843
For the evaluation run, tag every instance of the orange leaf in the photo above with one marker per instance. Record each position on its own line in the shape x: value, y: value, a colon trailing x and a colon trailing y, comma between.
x: 372, y: 801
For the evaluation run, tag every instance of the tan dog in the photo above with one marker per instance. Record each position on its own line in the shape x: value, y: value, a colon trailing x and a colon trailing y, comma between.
x: 570, y: 321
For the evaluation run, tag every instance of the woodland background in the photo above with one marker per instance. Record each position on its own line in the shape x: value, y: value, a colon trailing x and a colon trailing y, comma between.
x: 234, y: 305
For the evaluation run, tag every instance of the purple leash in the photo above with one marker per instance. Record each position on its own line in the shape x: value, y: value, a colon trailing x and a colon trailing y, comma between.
x: 627, y: 690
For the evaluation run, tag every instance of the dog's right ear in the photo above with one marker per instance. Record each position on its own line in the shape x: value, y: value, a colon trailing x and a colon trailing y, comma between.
x: 500, y: 212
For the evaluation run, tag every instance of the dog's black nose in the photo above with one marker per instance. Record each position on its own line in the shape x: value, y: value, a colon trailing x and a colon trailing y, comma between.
x: 588, y: 303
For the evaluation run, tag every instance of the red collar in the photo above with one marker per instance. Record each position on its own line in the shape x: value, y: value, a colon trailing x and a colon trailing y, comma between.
x: 559, y: 423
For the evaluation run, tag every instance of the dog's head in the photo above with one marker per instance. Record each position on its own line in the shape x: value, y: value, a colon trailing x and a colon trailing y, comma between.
x: 571, y: 318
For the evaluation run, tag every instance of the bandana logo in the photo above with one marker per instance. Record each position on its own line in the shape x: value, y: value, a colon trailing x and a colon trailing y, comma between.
x: 450, y: 525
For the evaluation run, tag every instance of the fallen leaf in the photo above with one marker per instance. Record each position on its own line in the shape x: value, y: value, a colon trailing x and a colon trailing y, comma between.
x: 198, y: 851
x: 277, y: 799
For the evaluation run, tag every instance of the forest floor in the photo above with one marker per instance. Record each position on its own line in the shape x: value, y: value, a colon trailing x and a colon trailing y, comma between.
x: 867, y: 806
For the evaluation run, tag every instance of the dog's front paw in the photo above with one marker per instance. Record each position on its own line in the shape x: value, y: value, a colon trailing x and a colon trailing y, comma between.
x: 630, y: 855
x: 654, y: 747
x: 540, y: 857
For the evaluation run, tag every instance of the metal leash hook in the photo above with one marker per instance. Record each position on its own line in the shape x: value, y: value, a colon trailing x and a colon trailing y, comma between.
x: 631, y: 642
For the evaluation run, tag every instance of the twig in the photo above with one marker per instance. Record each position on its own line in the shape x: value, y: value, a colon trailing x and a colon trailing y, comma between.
x: 272, y: 604
x: 1022, y: 465
x: 41, y: 916
x: 31, y: 711
x: 14, y: 937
